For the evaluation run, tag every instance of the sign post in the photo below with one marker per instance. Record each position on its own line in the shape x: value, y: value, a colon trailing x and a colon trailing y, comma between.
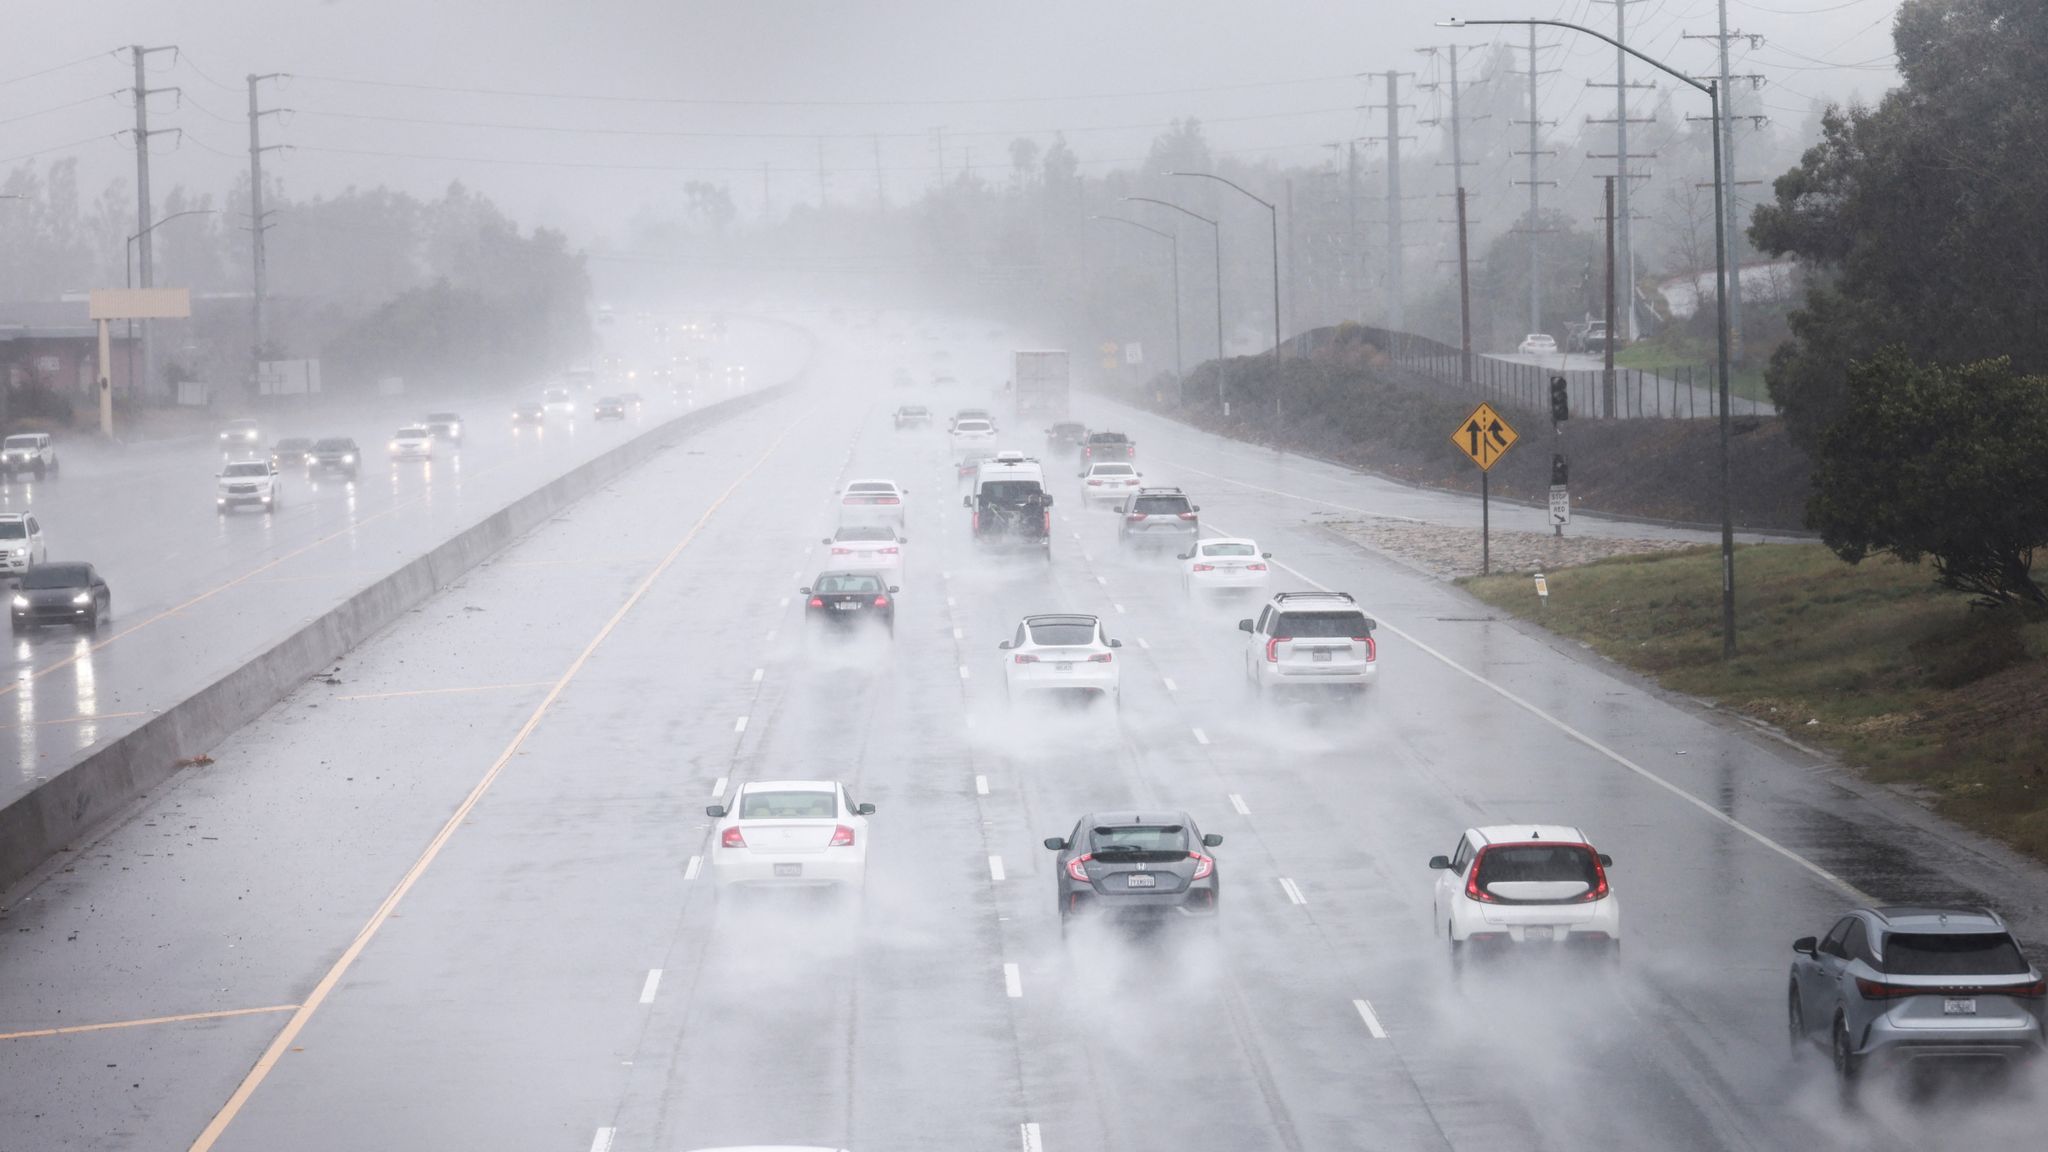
x: 108, y: 304
x: 1485, y: 438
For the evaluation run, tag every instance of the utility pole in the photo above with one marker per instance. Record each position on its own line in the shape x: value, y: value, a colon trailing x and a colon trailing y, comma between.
x: 822, y: 194
x: 765, y: 201
x: 939, y: 144
x: 259, y: 280
x: 1622, y: 120
x: 1731, y: 224
x: 142, y: 92
x: 1464, y: 297
x: 1351, y: 253
x: 1535, y: 154
x: 1396, y: 317
x: 881, y: 186
x: 1607, y: 368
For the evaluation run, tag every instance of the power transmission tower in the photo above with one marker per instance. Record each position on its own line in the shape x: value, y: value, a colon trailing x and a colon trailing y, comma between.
x: 259, y: 279
x: 142, y: 92
x: 1536, y: 152
x: 1730, y: 224
x: 1627, y: 175
x: 1395, y: 255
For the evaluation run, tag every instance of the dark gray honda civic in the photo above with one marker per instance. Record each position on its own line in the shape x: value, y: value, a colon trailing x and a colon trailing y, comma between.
x: 1136, y: 865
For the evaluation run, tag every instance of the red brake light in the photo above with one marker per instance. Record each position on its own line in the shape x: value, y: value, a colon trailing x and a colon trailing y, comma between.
x: 731, y: 838
x: 1203, y: 865
x: 2034, y: 991
x: 881, y: 601
x: 817, y: 601
x: 1273, y: 649
x: 841, y: 551
x: 1187, y: 515
x: 1095, y: 483
x: 1203, y: 568
x: 1026, y: 658
x: 1879, y: 990
x: 1099, y: 658
x: 891, y: 551
x: 1078, y: 867
x: 842, y: 837
x: 888, y: 500
x: 1472, y: 891
x: 1372, y: 650
x: 1255, y: 567
x: 1599, y: 891
x: 1135, y: 516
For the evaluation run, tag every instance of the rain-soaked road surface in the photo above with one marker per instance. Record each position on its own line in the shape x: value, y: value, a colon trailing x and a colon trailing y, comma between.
x: 457, y: 900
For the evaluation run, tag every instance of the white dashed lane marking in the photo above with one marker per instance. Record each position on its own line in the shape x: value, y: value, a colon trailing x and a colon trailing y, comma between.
x: 740, y: 725
x: 602, y: 1142
x: 981, y: 785
x: 1371, y: 1018
x: 1293, y: 893
x: 691, y: 869
x: 647, y: 990
x: 1170, y: 685
x: 718, y: 787
x: 1013, y: 981
x: 1237, y: 802
x: 758, y: 673
x: 1201, y: 737
x: 995, y: 868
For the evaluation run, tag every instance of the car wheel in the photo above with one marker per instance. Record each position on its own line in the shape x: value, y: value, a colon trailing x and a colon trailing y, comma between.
x: 54, y: 462
x: 1795, y: 1021
x: 1847, y: 1063
x: 38, y: 469
x: 20, y: 625
x: 1457, y: 949
x: 106, y: 608
x: 92, y: 619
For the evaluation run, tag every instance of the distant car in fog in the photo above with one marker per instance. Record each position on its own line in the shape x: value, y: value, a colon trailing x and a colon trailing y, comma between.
x: 973, y: 435
x: 790, y: 833
x: 1528, y: 885
x: 444, y: 426
x: 30, y: 452
x: 64, y: 593
x: 632, y: 400
x: 1136, y: 865
x: 1109, y: 483
x: 1103, y: 446
x: 21, y: 542
x: 241, y: 437
x: 850, y: 599
x: 1066, y: 436
x: 290, y: 452
x: 872, y: 502
x: 866, y: 548
x: 558, y: 402
x: 528, y: 416
x: 1066, y: 653
x: 334, y: 454
x: 913, y: 416
x: 1310, y: 640
x: 247, y: 483
x: 412, y: 442
x: 1537, y: 344
x: 608, y: 408
x: 1223, y: 565
x: 966, y: 414
x: 1158, y: 515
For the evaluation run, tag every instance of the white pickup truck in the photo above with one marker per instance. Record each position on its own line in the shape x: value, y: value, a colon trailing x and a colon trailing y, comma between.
x: 243, y: 482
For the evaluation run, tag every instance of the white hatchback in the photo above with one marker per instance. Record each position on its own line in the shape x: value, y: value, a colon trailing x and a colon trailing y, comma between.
x: 1063, y: 653
x: 790, y: 833
x: 1110, y: 483
x: 1523, y: 884
x: 865, y: 548
x: 413, y: 442
x: 872, y: 502
x: 1223, y: 565
x: 1538, y: 344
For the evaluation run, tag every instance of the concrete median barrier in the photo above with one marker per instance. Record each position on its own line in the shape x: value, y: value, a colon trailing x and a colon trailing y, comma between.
x: 83, y: 796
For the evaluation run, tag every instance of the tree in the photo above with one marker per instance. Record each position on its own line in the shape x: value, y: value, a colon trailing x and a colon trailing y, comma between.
x: 1922, y: 216
x: 1948, y: 464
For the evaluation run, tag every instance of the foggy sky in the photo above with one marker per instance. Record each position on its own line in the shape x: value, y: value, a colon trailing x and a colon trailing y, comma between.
x: 1277, y: 79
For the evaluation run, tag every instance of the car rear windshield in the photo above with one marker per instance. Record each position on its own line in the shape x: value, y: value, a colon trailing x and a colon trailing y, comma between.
x: 1314, y: 624
x: 790, y: 805
x: 1010, y: 491
x: 865, y: 532
x: 251, y: 468
x: 911, y: 410
x: 1114, y: 470
x: 1107, y: 438
x: 848, y: 582
x: 1953, y: 954
x: 13, y: 530
x: 1538, y: 864
x: 1139, y: 842
x: 335, y: 446
x: 872, y: 486
x: 1228, y: 550
x: 54, y: 576
x: 1063, y: 635
x: 1161, y: 505
x: 971, y: 426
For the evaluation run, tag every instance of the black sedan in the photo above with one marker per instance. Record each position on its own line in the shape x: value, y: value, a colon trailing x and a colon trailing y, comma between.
x: 291, y: 452
x: 65, y: 593
x: 334, y: 454
x: 1136, y: 865
x: 608, y: 408
x: 849, y: 599
x: 529, y: 416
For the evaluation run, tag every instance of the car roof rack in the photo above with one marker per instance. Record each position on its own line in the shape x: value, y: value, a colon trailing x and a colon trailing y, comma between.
x: 1286, y: 596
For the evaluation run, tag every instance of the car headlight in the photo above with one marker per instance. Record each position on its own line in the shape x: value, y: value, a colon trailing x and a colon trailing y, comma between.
x: 82, y: 598
x: 349, y: 459
x: 394, y: 445
x: 21, y: 601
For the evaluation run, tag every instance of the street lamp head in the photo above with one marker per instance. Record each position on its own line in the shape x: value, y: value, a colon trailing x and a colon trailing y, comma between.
x: 1452, y: 22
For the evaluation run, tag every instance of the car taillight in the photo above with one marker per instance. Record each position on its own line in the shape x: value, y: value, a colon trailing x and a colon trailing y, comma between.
x: 1026, y: 658
x: 881, y: 601
x: 842, y: 837
x: 1273, y: 649
x: 1187, y: 515
x: 1472, y: 889
x: 817, y: 602
x: 1372, y: 650
x: 1095, y: 483
x: 1879, y: 990
x: 731, y: 838
x: 1078, y: 867
x: 888, y: 500
x: 842, y: 551
x: 1255, y: 567
x: 1203, y: 568
x: 1131, y: 451
x: 2034, y: 991
x: 1203, y: 865
x: 891, y: 551
x: 1599, y: 891
x: 1099, y: 658
x: 1135, y: 516
x: 1046, y: 523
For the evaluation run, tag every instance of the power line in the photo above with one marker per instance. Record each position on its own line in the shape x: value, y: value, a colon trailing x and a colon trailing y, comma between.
x: 115, y: 54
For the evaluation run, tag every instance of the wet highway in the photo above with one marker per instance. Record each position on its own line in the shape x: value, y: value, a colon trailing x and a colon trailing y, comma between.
x: 459, y: 898
x: 196, y: 593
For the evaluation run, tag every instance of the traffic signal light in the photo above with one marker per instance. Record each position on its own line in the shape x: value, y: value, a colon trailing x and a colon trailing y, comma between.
x: 1560, y: 400
x: 1560, y: 472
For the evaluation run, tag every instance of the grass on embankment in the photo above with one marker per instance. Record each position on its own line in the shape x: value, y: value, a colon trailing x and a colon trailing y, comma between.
x: 1672, y: 358
x: 1906, y: 681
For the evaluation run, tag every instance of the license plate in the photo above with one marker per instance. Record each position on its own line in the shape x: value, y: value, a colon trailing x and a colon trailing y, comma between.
x: 1141, y: 881
x: 1966, y: 1007
x: 1063, y: 666
x: 1322, y: 655
x: 1536, y: 932
x: 845, y: 606
x: 789, y: 870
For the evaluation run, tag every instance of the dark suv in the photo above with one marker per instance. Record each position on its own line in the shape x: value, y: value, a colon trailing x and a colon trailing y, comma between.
x: 1158, y: 515
x: 334, y: 454
x: 1105, y: 446
x: 1915, y: 985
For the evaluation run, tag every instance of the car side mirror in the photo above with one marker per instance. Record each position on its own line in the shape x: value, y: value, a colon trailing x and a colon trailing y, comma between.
x: 1212, y: 839
x: 1440, y: 863
x: 1048, y: 499
x: 894, y: 589
x: 1244, y: 625
x: 715, y: 811
x: 1056, y: 843
x: 864, y: 809
x: 1005, y: 645
x: 967, y: 501
x: 807, y: 591
x: 1183, y: 555
x: 1606, y: 861
x: 1195, y: 508
x: 1265, y: 555
x: 1807, y: 946
x: 903, y: 539
x: 826, y: 540
x: 1116, y: 643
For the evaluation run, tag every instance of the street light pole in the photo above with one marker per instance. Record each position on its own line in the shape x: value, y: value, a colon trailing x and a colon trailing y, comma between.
x: 1222, y: 398
x: 133, y: 387
x: 1713, y: 93
x: 1173, y: 245
x: 1273, y: 214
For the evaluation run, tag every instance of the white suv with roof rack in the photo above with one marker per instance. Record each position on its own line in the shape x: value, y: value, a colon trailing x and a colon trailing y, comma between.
x: 28, y: 452
x: 21, y: 542
x: 1310, y: 639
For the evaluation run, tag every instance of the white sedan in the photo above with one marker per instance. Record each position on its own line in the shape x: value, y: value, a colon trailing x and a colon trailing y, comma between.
x: 1537, y: 344
x: 1110, y: 483
x: 872, y: 502
x: 413, y: 442
x: 1223, y: 565
x: 1065, y: 653
x: 790, y: 833
x: 865, y: 548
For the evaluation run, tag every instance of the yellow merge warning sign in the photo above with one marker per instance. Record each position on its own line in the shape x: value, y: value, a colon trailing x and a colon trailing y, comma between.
x: 1484, y: 436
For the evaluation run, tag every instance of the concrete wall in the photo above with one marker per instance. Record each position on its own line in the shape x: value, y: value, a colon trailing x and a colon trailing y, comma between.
x: 73, y: 803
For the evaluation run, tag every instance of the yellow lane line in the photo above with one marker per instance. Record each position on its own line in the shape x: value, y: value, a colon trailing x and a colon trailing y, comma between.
x: 74, y: 1029
x: 446, y: 691
x: 74, y: 720
x: 321, y: 991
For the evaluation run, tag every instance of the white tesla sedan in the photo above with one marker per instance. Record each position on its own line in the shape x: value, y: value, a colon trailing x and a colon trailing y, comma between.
x: 1223, y: 565
x: 865, y: 548
x: 872, y: 502
x: 1063, y: 654
x: 790, y: 833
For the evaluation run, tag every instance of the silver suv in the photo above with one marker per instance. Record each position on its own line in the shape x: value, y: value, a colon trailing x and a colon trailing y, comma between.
x: 21, y: 542
x: 1915, y: 984
x: 1307, y: 639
